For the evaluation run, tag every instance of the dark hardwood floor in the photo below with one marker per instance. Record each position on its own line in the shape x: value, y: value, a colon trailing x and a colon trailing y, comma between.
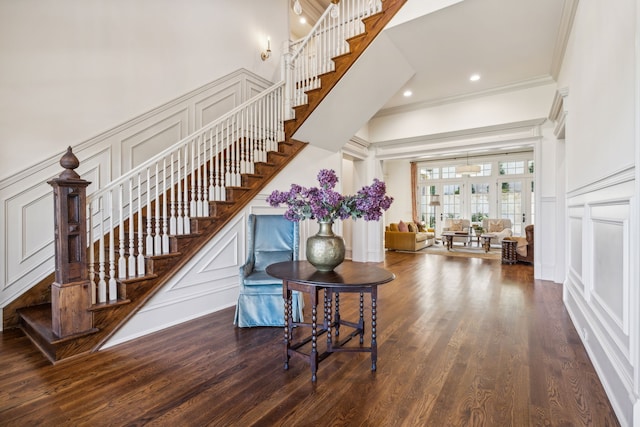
x: 461, y: 342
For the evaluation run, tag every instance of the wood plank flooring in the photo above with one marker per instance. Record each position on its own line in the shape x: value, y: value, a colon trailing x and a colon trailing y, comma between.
x: 461, y: 342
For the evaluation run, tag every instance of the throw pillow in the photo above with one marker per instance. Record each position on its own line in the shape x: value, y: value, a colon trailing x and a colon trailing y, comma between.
x: 403, y: 227
x: 421, y: 227
x: 495, y: 226
x: 393, y: 227
x: 456, y: 225
x: 412, y: 228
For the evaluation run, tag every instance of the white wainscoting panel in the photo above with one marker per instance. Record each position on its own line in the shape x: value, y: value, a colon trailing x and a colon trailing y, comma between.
x: 26, y: 200
x: 575, y: 246
x: 207, y: 283
x: 598, y: 291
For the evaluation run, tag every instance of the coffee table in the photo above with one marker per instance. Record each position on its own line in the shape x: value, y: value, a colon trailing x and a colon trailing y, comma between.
x: 447, y: 237
x: 347, y: 277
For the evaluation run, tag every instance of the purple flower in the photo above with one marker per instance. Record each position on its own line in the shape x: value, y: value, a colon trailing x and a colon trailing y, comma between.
x: 328, y: 205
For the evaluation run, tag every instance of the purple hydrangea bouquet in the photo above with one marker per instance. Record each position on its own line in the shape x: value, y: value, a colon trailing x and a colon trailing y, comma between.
x: 326, y: 205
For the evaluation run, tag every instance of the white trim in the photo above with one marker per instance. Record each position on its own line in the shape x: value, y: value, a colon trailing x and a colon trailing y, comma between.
x: 621, y: 176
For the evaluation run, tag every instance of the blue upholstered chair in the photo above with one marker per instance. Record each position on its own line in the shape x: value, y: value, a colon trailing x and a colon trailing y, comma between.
x: 270, y: 239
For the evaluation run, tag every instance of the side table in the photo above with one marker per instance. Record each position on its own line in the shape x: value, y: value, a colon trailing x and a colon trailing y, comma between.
x: 509, y: 251
x: 347, y: 277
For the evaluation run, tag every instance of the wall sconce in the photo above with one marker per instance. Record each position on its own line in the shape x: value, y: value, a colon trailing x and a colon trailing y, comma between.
x: 267, y: 54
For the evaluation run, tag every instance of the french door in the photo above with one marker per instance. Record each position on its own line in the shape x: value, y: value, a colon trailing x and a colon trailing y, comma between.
x: 515, y: 201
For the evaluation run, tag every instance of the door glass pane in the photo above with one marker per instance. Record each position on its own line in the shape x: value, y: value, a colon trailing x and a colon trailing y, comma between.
x: 479, y: 202
x: 451, y: 202
x: 511, y: 204
x: 426, y: 212
x: 533, y: 204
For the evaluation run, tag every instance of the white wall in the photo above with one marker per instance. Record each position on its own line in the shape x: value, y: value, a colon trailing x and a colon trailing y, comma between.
x: 74, y: 68
x: 601, y: 291
x: 599, y: 71
x: 397, y: 176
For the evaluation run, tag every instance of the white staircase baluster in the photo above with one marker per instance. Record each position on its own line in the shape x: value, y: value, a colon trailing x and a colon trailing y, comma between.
x: 193, y: 204
x: 92, y: 255
x: 122, y: 261
x: 212, y: 179
x: 205, y: 175
x: 198, y: 166
x: 102, y: 284
x: 180, y: 222
x: 141, y: 269
x: 227, y: 156
x: 165, y: 219
x: 113, y: 295
x: 131, y: 261
x: 157, y: 239
x: 221, y: 190
x: 149, y: 237
x: 173, y: 228
x: 187, y: 220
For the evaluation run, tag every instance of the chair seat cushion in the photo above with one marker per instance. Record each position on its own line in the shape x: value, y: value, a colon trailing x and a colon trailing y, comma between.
x: 261, y: 278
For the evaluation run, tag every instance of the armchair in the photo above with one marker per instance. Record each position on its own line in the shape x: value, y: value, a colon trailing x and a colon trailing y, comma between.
x: 499, y: 227
x: 270, y: 239
x: 526, y: 254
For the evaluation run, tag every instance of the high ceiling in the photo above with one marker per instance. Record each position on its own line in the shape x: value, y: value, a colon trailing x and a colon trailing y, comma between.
x: 509, y: 43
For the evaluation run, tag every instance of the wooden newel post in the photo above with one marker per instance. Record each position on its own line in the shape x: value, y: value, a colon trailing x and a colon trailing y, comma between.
x: 70, y: 293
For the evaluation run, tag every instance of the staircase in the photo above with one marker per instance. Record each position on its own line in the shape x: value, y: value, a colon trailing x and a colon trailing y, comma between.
x: 149, y: 231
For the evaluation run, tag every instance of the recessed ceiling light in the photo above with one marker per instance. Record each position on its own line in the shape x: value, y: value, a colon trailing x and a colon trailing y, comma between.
x: 407, y: 93
x: 303, y: 20
x: 474, y: 77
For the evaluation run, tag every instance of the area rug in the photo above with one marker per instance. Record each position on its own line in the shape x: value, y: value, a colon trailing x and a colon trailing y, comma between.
x: 460, y: 251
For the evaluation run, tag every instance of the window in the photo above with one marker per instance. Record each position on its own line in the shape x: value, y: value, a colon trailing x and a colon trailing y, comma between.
x: 428, y: 173
x: 485, y: 171
x: 449, y: 172
x: 512, y: 168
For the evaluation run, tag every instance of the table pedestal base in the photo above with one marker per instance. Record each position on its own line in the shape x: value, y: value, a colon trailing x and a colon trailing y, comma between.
x: 329, y: 326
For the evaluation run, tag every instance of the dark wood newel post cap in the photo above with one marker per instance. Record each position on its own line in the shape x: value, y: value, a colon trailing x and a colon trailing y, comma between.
x: 69, y: 162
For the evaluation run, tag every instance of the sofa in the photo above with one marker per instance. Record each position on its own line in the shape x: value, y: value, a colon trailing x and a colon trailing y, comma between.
x: 407, y: 236
x: 498, y: 227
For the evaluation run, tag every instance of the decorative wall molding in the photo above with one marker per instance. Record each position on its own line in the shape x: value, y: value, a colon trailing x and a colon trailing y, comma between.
x: 617, y: 178
x: 356, y: 148
x: 558, y: 113
x: 26, y: 200
x: 599, y: 293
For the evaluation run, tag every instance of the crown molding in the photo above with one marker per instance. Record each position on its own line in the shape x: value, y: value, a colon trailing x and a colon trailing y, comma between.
x: 564, y: 31
x: 558, y: 112
x: 357, y: 148
x: 510, y: 136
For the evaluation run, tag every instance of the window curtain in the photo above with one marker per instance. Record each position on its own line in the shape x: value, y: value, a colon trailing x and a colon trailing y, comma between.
x: 414, y: 190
